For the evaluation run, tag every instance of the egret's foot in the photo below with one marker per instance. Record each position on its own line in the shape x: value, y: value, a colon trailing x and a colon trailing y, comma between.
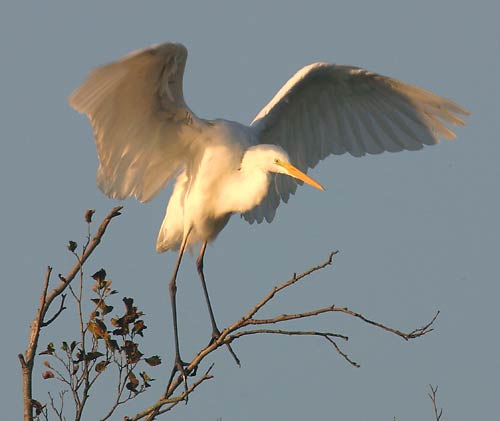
x: 215, y: 336
x: 180, y: 367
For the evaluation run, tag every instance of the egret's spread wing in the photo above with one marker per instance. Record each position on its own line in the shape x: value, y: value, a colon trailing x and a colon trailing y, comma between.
x: 331, y: 109
x: 143, y: 129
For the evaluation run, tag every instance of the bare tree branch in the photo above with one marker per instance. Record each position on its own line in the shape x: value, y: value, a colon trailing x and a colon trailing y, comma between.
x: 79, y: 378
x: 56, y: 315
x: 295, y: 278
x: 326, y: 335
x: 237, y: 330
x: 46, y: 299
x: 155, y: 409
x: 433, y: 396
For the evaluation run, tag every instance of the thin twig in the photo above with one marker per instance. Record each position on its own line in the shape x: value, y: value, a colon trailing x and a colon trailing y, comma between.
x: 295, y: 278
x: 433, y: 395
x: 56, y: 315
x: 326, y: 335
x: 285, y: 332
x: 286, y: 317
x: 46, y: 299
x: 155, y: 409
x: 234, y: 331
x: 405, y: 335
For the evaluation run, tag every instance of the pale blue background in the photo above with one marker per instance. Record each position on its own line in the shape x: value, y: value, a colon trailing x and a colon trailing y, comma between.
x: 417, y: 231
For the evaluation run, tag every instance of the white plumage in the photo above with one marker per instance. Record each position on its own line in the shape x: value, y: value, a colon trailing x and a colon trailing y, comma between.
x: 146, y: 135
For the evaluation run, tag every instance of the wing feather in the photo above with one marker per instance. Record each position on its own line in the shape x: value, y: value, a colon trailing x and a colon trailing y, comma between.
x: 143, y: 129
x: 332, y: 109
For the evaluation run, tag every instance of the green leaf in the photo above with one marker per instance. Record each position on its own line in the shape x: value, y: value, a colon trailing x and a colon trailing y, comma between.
x: 64, y: 346
x: 72, y: 246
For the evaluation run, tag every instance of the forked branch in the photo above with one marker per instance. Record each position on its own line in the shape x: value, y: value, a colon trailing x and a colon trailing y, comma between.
x: 245, y: 326
x: 46, y: 299
x: 240, y: 329
x: 433, y: 396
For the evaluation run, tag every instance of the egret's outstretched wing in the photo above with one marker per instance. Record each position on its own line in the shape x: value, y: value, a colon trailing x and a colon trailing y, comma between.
x: 332, y: 109
x: 143, y: 129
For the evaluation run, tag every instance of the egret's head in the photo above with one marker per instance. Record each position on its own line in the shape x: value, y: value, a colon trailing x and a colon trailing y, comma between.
x: 284, y: 167
x: 273, y: 158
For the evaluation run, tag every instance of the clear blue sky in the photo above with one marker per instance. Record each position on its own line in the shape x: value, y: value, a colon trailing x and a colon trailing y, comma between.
x: 417, y: 231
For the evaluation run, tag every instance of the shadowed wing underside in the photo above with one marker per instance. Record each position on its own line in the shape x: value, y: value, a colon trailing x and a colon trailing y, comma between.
x: 145, y: 133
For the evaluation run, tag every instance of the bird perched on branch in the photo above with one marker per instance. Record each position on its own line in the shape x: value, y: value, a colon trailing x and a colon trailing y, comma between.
x: 146, y: 135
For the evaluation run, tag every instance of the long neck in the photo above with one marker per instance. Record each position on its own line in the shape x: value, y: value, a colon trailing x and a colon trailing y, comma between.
x: 244, y: 189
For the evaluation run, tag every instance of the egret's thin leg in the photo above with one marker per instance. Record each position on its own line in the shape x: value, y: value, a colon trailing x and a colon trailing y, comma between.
x: 172, y: 288
x: 215, y: 329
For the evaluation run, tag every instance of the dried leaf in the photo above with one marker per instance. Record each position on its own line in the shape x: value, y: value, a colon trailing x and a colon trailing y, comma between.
x: 153, y: 360
x: 98, y: 329
x: 88, y: 215
x: 49, y: 351
x: 111, y: 344
x: 145, y: 376
x: 132, y: 352
x: 107, y: 309
x: 139, y: 326
x: 80, y: 355
x: 38, y: 406
x: 48, y: 375
x: 93, y: 355
x: 99, y: 276
x: 133, y: 383
x: 128, y: 304
x: 101, y: 366
x: 146, y: 379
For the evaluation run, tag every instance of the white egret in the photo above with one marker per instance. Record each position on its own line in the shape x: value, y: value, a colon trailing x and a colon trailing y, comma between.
x: 146, y: 135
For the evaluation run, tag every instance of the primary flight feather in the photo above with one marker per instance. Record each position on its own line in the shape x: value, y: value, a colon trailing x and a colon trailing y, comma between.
x: 146, y: 135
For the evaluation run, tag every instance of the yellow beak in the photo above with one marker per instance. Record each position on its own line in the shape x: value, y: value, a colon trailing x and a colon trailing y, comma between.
x: 295, y: 172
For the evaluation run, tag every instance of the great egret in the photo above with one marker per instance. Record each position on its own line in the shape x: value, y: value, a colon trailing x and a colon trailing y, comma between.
x: 146, y: 135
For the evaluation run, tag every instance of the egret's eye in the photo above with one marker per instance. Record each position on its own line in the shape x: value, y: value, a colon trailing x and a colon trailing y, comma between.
x: 276, y: 160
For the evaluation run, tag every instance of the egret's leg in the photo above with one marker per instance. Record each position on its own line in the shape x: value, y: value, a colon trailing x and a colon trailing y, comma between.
x: 215, y: 329
x: 172, y: 288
